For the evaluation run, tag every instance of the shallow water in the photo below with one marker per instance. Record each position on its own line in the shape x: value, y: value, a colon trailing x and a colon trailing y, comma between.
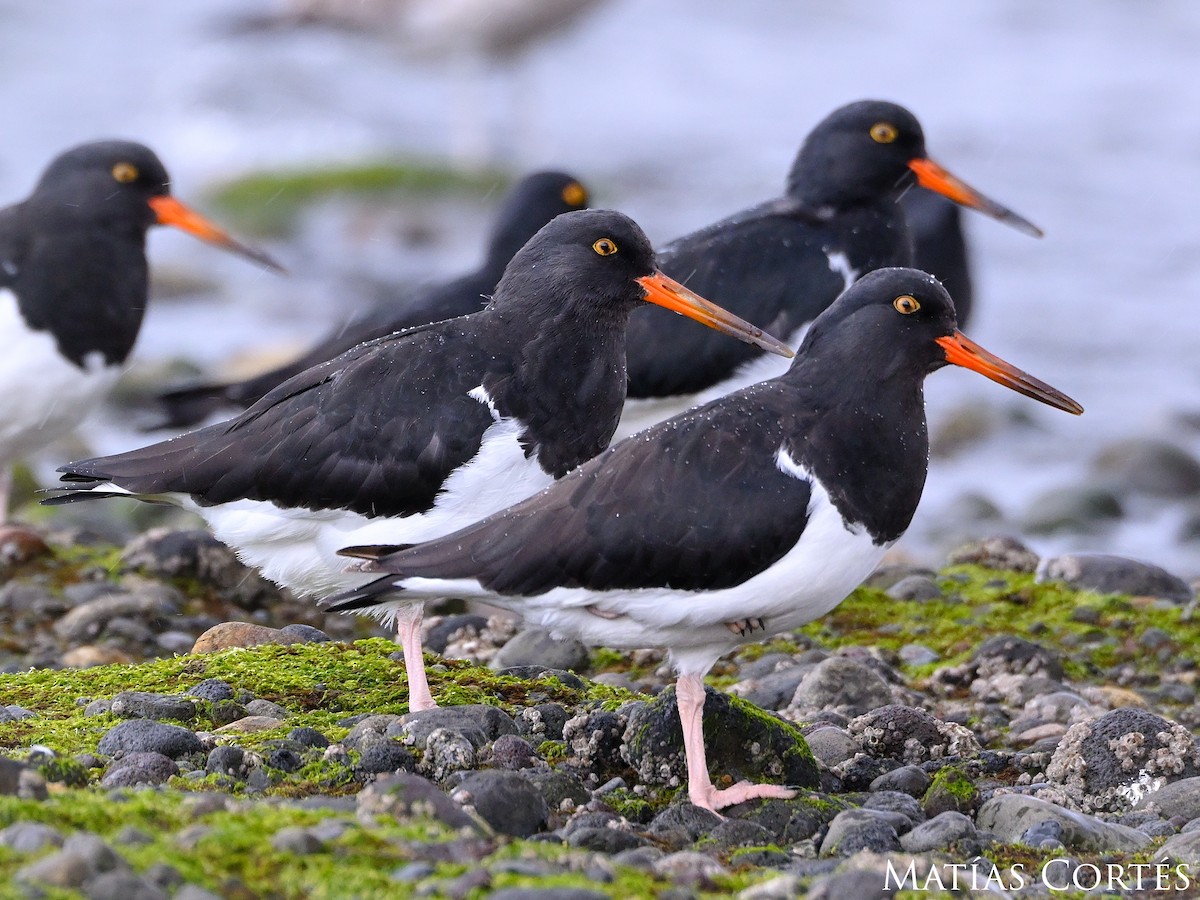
x: 1080, y: 115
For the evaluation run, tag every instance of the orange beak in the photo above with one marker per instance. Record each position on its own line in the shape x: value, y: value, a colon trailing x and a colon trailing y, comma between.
x: 932, y: 176
x: 668, y: 292
x: 172, y: 212
x: 962, y: 351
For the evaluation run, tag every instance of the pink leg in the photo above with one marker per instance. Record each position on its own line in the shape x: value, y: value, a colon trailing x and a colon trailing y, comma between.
x: 689, y: 696
x: 408, y: 631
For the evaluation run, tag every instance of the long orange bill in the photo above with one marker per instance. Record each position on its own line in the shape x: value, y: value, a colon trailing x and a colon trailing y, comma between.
x: 962, y: 351
x: 666, y: 291
x: 931, y: 175
x: 172, y: 212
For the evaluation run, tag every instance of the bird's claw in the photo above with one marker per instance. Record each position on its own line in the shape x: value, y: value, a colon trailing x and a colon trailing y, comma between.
x: 743, y: 627
x: 714, y: 799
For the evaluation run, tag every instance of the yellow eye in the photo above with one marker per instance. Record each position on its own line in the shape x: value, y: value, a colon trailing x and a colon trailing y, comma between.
x: 884, y: 132
x: 906, y: 305
x: 605, y: 246
x: 575, y: 195
x: 125, y: 172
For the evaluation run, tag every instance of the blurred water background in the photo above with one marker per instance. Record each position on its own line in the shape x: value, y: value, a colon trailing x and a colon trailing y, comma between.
x: 1083, y: 115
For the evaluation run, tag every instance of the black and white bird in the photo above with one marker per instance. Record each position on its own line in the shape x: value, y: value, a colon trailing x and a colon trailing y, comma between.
x: 534, y: 200
x: 417, y: 434
x: 782, y: 262
x: 73, y: 284
x: 735, y: 521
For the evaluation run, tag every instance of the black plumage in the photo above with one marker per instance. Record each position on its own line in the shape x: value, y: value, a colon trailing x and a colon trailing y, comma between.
x: 533, y: 202
x: 379, y: 429
x: 781, y: 263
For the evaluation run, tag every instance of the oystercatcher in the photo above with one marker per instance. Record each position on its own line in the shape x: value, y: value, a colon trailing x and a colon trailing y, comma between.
x: 782, y: 262
x: 737, y: 520
x: 416, y: 434
x: 73, y: 286
x: 533, y: 202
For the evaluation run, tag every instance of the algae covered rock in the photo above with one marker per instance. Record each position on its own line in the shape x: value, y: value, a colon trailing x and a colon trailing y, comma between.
x: 742, y: 742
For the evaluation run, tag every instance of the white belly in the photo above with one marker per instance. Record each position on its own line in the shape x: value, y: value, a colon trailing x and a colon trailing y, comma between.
x: 42, y: 395
x: 298, y: 547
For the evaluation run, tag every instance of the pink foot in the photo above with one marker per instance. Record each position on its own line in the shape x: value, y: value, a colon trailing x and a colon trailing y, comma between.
x: 714, y: 799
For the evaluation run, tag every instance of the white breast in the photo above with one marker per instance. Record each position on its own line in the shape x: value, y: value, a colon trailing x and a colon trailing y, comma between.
x: 42, y: 395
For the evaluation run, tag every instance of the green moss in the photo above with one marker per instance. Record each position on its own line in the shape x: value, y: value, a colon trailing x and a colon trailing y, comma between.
x: 797, y: 748
x: 552, y: 752
x: 983, y: 601
x: 267, y: 203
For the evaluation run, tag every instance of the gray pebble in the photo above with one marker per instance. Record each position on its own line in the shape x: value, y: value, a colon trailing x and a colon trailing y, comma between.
x: 136, y: 735
x: 939, y: 833
x: 859, y: 829
x: 30, y: 837
x: 831, y: 745
x: 227, y: 760
x: 842, y: 684
x: 212, y: 690
x: 604, y: 840
x: 297, y: 840
x: 143, y: 767
x: 504, y: 800
x: 267, y: 708
x: 122, y: 886
x: 915, y: 587
x: 144, y: 705
x: 1008, y: 816
x: 1107, y: 574
x: 389, y: 756
x: 911, y: 780
x: 534, y: 646
x: 403, y: 795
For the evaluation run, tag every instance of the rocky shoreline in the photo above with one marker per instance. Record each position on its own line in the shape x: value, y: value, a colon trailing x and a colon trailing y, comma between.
x: 176, y: 727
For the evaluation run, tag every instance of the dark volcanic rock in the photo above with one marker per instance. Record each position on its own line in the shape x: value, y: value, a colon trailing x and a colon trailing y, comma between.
x: 1107, y: 763
x: 139, y: 768
x: 910, y: 735
x: 504, y: 800
x: 145, y: 735
x: 742, y: 742
x: 478, y: 723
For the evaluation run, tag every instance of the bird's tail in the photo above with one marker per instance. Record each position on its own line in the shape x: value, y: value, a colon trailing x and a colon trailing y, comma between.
x: 369, y: 595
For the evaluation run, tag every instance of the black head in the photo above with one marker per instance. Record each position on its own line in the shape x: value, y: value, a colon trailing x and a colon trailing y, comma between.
x: 597, y: 265
x: 858, y: 153
x: 121, y: 187
x: 873, y: 151
x: 532, y: 202
x: 900, y: 323
x: 103, y: 181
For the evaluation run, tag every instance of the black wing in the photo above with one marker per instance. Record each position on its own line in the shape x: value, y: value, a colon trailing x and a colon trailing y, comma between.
x: 376, y: 430
x: 694, y: 503
x: 192, y: 403
x: 768, y: 265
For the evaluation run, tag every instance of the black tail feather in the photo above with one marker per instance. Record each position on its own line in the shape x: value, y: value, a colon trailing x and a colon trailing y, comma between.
x: 373, y: 551
x: 364, y: 597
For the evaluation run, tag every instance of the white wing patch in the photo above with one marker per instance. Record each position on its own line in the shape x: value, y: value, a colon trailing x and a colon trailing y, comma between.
x: 839, y: 264
x: 480, y: 393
